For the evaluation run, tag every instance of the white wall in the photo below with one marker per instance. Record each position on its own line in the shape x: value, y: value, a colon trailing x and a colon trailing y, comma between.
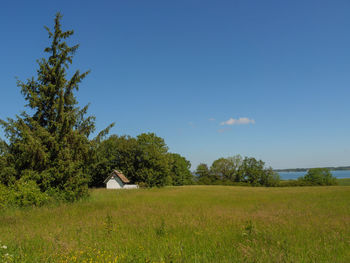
x: 114, y: 183
x: 130, y: 186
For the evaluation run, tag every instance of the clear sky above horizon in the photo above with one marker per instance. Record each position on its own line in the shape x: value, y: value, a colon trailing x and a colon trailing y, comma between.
x: 268, y: 79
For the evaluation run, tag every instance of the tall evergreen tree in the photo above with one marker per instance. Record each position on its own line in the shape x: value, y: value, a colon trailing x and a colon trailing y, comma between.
x: 51, y: 146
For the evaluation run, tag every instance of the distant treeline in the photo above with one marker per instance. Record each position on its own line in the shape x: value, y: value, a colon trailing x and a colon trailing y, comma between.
x: 236, y: 170
x: 339, y: 168
x: 248, y: 171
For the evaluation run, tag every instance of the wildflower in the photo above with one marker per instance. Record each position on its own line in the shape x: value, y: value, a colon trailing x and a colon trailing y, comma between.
x: 4, y: 247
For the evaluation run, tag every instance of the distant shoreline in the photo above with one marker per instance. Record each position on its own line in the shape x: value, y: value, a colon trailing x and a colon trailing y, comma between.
x: 339, y: 168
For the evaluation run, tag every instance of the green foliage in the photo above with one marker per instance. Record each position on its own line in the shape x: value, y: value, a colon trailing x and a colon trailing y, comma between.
x: 180, y: 170
x: 319, y: 176
x: 203, y: 174
x: 253, y: 171
x: 143, y: 160
x: 115, y: 153
x: 4, y: 196
x: 227, y: 169
x: 315, y: 176
x: 271, y: 178
x: 23, y: 193
x: 27, y: 193
x: 7, y: 174
x: 220, y: 169
x: 50, y: 149
x: 290, y: 183
x: 152, y: 160
x: 237, y: 171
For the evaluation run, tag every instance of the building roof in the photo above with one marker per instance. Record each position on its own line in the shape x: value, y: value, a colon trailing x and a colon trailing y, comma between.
x: 121, y: 176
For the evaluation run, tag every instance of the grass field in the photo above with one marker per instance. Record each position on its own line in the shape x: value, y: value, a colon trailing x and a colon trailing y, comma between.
x: 185, y: 224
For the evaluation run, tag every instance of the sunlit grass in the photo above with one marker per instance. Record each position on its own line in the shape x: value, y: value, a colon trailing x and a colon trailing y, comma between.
x: 186, y: 224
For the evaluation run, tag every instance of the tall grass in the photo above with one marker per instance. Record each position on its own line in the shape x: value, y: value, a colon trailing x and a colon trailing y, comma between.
x: 185, y: 224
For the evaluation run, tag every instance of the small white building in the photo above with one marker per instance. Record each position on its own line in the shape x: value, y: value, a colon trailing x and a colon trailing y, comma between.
x: 117, y: 180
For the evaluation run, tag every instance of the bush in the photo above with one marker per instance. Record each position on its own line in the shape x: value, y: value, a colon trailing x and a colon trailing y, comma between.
x: 4, y: 196
x: 289, y: 183
x: 21, y: 194
x: 319, y: 176
x: 272, y: 179
x: 315, y: 176
x: 26, y: 193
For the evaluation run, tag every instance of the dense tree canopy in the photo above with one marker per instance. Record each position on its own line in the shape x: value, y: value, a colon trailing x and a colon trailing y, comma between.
x: 227, y: 168
x: 116, y: 152
x: 152, y: 161
x: 203, y: 174
x: 180, y: 173
x: 144, y: 160
x: 235, y: 169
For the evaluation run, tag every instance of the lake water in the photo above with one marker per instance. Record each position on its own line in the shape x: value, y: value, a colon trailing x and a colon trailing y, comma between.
x: 295, y: 175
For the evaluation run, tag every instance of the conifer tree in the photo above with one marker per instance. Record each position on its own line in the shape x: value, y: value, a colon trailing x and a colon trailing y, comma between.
x: 51, y: 146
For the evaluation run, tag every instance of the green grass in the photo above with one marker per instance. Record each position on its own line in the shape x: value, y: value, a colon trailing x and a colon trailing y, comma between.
x: 185, y: 224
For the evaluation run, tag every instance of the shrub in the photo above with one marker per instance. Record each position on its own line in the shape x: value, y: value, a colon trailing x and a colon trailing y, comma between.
x: 319, y: 176
x: 272, y: 178
x: 27, y: 193
x: 4, y: 196
x: 299, y: 182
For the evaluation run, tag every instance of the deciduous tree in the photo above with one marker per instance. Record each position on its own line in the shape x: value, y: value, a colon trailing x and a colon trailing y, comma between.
x: 180, y: 170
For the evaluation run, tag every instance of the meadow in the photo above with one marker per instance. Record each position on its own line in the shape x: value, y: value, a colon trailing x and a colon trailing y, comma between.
x: 185, y: 224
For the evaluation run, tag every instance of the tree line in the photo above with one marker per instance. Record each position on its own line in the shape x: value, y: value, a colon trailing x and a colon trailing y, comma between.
x: 237, y: 170
x: 144, y: 160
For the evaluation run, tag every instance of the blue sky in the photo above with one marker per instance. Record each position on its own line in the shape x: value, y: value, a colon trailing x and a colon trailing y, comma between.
x: 268, y: 79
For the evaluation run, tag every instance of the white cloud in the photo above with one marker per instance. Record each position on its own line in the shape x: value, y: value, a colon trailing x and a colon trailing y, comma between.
x: 239, y: 121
